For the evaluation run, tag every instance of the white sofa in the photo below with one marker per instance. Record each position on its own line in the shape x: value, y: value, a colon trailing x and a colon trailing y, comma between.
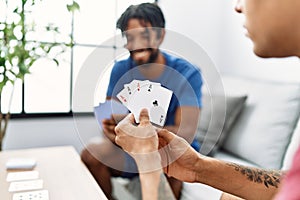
x: 264, y: 132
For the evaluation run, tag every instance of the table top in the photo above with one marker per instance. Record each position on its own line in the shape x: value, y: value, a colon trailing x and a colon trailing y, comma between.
x: 63, y: 173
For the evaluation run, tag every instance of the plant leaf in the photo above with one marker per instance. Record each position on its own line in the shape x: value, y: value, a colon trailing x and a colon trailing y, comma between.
x: 56, y: 61
x: 73, y: 7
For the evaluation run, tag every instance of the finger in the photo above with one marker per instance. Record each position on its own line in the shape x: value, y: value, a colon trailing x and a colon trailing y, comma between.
x: 109, y: 129
x: 117, y: 140
x: 126, y: 125
x: 108, y: 122
x: 166, y: 135
x: 118, y: 117
x: 157, y: 129
x: 129, y: 119
x: 144, y: 117
x: 161, y: 143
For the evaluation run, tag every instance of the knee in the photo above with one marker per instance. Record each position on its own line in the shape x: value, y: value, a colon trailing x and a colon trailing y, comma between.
x: 88, y: 158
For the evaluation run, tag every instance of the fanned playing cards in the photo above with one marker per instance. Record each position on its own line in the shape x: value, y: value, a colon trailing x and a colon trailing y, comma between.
x: 138, y: 94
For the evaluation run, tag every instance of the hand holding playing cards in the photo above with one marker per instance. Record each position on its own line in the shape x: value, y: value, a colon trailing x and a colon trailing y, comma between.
x: 141, y: 141
x: 109, y: 126
x: 137, y: 139
x: 179, y: 158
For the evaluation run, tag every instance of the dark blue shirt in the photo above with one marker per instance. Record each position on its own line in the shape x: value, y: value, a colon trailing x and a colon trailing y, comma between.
x: 180, y: 76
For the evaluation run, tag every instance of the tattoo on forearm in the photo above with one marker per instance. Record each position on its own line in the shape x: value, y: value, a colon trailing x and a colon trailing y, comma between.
x: 267, y: 177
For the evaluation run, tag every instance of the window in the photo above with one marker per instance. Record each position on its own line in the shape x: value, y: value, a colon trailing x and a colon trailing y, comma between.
x: 48, y: 89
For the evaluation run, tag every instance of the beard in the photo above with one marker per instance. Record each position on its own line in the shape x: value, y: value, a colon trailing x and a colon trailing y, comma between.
x: 153, y: 55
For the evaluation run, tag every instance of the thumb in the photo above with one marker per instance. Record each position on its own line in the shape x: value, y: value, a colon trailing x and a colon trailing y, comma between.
x: 166, y: 135
x: 144, y: 117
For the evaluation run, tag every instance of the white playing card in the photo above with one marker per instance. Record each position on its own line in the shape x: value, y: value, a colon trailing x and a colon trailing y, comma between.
x: 130, y: 88
x: 20, y: 163
x: 154, y: 98
x: 25, y: 185
x: 136, y: 85
x: 20, y: 176
x: 123, y: 96
x: 34, y: 195
x: 133, y: 86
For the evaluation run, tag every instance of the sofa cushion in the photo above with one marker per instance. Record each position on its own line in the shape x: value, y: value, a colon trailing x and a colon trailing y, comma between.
x: 228, y: 157
x: 292, y: 148
x: 212, y: 127
x: 192, y: 191
x: 264, y: 128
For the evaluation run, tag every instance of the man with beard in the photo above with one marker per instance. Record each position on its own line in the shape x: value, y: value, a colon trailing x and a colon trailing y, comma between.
x: 143, y: 28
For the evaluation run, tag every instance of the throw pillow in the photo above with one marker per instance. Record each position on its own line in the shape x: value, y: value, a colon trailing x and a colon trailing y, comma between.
x: 218, y: 115
x: 263, y: 131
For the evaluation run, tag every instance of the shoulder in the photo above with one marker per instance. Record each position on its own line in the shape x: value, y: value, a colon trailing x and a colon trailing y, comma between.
x: 121, y: 66
x: 180, y: 64
x: 122, y: 63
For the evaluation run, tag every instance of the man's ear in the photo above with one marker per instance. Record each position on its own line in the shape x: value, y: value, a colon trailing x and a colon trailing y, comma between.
x: 161, y: 36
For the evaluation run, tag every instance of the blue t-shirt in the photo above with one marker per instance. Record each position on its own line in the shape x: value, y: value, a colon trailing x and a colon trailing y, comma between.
x: 180, y: 76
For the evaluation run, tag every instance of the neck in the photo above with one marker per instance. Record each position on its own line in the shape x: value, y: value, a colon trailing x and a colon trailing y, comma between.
x: 155, y: 69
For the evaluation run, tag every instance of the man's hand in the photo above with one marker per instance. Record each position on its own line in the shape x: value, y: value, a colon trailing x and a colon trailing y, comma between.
x: 109, y: 126
x: 141, y: 142
x: 137, y: 139
x: 178, y: 157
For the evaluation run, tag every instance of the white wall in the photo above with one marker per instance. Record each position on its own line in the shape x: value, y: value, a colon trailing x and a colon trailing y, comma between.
x: 198, y: 20
x: 44, y: 132
x: 215, y: 26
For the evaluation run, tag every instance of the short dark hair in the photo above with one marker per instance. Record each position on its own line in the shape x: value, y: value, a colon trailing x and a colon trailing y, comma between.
x: 146, y: 12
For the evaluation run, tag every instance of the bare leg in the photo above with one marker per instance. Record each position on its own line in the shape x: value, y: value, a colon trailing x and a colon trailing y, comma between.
x: 100, y: 171
x: 176, y: 186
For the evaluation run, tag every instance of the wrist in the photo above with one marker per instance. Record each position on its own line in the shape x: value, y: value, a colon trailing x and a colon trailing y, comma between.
x: 152, y: 175
x: 148, y: 162
x: 201, y: 168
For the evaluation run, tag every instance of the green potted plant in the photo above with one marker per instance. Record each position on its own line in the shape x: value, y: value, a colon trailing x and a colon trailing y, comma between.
x: 18, y: 53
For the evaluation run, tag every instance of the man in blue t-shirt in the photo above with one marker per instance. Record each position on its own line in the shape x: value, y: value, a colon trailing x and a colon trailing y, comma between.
x: 143, y: 27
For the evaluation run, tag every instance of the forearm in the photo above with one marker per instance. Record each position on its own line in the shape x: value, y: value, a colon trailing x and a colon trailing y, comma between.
x: 153, y: 181
x: 245, y: 182
x: 150, y: 184
x: 155, y: 186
